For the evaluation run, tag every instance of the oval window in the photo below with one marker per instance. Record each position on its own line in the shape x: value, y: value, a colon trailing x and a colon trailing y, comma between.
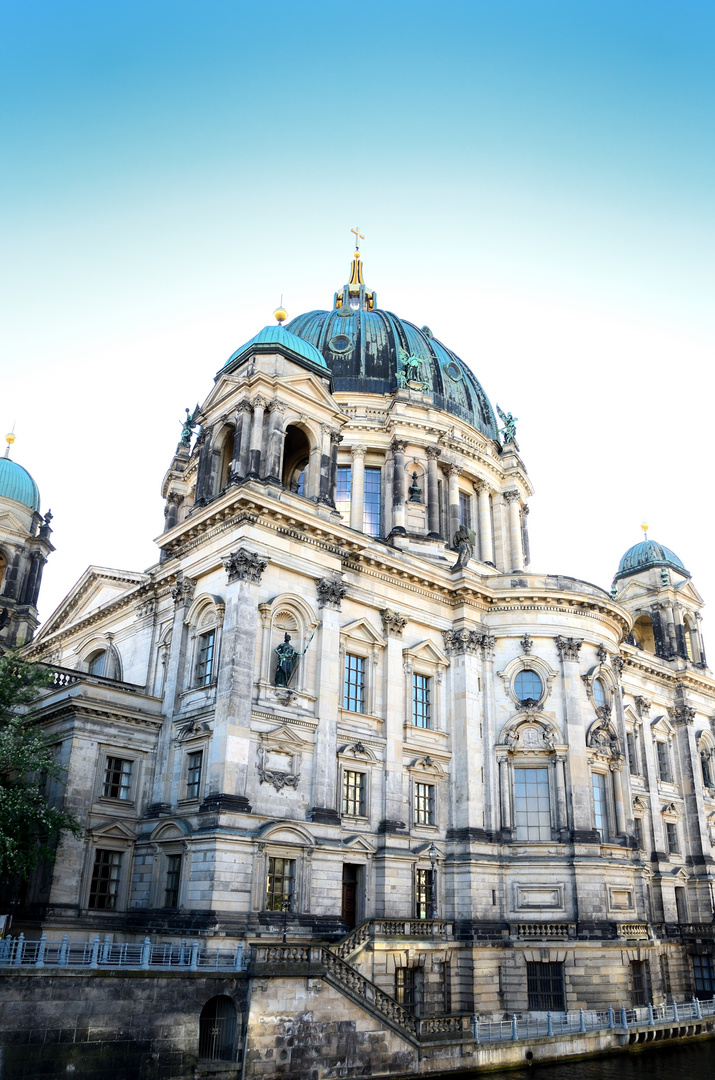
x: 528, y: 686
x: 453, y: 371
x: 340, y: 343
x: 599, y: 694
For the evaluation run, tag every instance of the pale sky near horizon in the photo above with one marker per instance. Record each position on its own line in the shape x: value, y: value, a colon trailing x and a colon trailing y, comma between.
x: 535, y: 181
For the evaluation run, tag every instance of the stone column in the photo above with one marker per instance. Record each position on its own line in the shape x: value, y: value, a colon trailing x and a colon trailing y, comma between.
x: 504, y: 793
x: 512, y: 499
x: 240, y: 467
x: 203, y: 469
x: 558, y: 763
x: 171, y: 510
x: 700, y: 658
x: 660, y: 630
x: 256, y: 451
x: 691, y: 783
x: 670, y: 629
x: 387, y: 477
x: 272, y: 471
x: 525, y: 535
x: 616, y: 766
x: 330, y: 679
x: 230, y: 748
x: 398, y: 486
x: 238, y: 419
x: 651, y: 774
x: 464, y: 647
x: 486, y: 547
x: 325, y: 465
x: 335, y: 439
x: 453, y: 500
x: 433, y: 452
x: 175, y: 682
x: 32, y: 584
x: 395, y: 815
x: 357, y: 488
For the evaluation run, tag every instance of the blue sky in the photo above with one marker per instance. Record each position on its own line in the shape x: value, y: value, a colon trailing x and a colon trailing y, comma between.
x: 534, y: 181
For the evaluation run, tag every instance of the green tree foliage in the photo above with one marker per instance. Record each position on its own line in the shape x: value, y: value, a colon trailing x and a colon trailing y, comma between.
x: 30, y: 827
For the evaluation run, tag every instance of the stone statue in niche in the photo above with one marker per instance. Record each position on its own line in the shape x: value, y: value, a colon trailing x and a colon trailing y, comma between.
x: 463, y: 543
x: 415, y: 491
x: 287, y: 659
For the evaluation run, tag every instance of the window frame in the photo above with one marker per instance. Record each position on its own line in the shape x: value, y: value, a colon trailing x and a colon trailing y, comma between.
x: 424, y: 814
x: 524, y: 766
x: 270, y: 872
x: 346, y: 698
x: 205, y: 669
x: 427, y: 702
x: 189, y: 753
x: 606, y: 833
x: 366, y: 514
x: 171, y: 870
x: 545, y: 990
x: 119, y: 880
x: 348, y: 771
x: 127, y: 799
x: 343, y: 505
x: 700, y: 961
x: 672, y: 837
x: 422, y: 891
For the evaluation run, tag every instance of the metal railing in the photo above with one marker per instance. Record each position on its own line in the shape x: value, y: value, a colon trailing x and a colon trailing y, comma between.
x: 190, y: 955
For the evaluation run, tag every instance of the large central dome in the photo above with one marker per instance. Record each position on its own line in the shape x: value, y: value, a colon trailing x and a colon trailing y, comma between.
x: 366, y: 347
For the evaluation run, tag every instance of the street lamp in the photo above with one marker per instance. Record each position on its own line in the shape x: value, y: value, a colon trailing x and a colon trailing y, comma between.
x: 433, y: 855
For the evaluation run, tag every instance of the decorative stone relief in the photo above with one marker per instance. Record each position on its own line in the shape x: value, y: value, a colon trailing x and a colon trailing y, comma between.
x: 461, y: 641
x: 244, y: 565
x: 617, y: 663
x: 602, y: 738
x: 527, y: 644
x: 569, y: 648
x: 601, y: 654
x: 682, y: 714
x: 642, y: 706
x: 392, y: 623
x: 278, y: 767
x: 330, y: 592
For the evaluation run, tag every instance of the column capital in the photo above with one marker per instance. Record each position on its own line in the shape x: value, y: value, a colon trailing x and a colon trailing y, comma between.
x: 244, y: 565
x: 642, y: 706
x: 433, y: 452
x: 183, y: 591
x: 259, y: 402
x: 276, y: 406
x: 357, y: 452
x: 569, y: 648
x: 392, y: 623
x: 482, y: 487
x: 511, y: 496
x: 398, y: 446
x: 244, y: 406
x: 330, y: 592
x: 450, y: 468
x: 336, y: 437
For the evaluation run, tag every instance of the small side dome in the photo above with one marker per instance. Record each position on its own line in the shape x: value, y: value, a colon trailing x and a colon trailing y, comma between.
x: 648, y: 554
x: 17, y: 484
x: 272, y: 336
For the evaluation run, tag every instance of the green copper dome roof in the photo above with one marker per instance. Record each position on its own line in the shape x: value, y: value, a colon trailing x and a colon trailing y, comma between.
x: 366, y: 348
x: 268, y: 339
x: 17, y: 484
x: 647, y: 554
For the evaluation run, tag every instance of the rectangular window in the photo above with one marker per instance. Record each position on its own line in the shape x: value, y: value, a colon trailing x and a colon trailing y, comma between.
x: 632, y: 759
x: 465, y: 509
x: 353, y: 793
x: 532, y: 811
x: 423, y: 894
x: 354, y: 686
x: 671, y: 838
x: 204, y: 670
x: 640, y: 983
x: 600, y: 805
x: 343, y: 488
x: 279, y: 884
x: 703, y: 976
x: 117, y: 779
x: 173, y: 876
x: 664, y: 772
x: 104, y: 887
x: 193, y: 774
x: 405, y: 986
x: 681, y: 905
x: 424, y: 804
x: 372, y: 512
x: 545, y: 986
x: 421, y: 705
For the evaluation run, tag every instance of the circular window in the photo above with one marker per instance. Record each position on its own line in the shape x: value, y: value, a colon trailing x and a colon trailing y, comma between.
x: 453, y: 371
x: 340, y: 343
x: 528, y: 686
x: 599, y: 693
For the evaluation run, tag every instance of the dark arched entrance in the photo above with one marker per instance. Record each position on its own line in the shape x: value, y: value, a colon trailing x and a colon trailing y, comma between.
x: 217, y: 1030
x: 296, y: 455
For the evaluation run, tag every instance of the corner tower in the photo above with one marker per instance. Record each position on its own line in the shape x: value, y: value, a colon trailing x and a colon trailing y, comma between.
x: 24, y: 547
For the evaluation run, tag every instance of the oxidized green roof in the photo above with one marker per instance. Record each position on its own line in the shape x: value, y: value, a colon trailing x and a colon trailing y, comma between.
x: 275, y: 337
x: 17, y: 484
x: 646, y: 554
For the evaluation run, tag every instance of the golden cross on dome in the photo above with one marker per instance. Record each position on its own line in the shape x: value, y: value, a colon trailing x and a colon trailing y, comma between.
x: 358, y: 238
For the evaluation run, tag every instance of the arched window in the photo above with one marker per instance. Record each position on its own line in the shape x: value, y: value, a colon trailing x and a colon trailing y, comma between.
x: 217, y: 1030
x: 97, y: 662
x: 296, y: 455
x: 599, y: 694
x: 225, y: 459
x: 691, y: 641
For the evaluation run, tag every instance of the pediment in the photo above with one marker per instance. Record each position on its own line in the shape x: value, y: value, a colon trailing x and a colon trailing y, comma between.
x: 426, y: 651
x: 12, y: 524
x: 276, y: 833
x: 359, y: 843
x: 362, y: 630
x: 98, y: 588
x: 113, y: 830
x: 689, y: 592
x: 283, y: 736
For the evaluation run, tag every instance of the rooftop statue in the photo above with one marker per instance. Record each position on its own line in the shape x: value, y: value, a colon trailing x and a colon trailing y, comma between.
x: 412, y: 367
x: 463, y: 543
x: 188, y: 425
x: 509, y: 430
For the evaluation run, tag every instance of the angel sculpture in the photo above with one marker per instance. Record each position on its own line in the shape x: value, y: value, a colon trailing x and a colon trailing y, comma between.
x: 509, y: 429
x: 412, y: 365
x: 188, y: 425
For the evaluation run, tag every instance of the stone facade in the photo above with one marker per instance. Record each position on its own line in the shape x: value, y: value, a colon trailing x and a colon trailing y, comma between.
x: 496, y: 771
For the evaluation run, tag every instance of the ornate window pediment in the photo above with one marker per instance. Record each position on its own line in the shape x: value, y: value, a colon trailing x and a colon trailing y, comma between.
x: 358, y: 752
x: 362, y: 630
x: 280, y: 754
x: 603, y: 739
x: 672, y: 810
x: 113, y: 830
x: 429, y: 766
x: 531, y: 735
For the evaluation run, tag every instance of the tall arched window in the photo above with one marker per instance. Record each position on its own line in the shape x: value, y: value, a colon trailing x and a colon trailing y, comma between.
x: 97, y: 662
x: 217, y: 1030
x: 296, y: 455
x: 643, y: 636
x: 225, y: 459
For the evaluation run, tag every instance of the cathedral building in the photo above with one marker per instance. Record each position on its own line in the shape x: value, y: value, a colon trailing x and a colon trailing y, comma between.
x: 343, y: 708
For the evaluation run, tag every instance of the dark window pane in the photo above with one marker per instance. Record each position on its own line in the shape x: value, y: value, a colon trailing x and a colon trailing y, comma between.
x: 173, y: 876
x: 204, y: 671
x: 532, y: 809
x: 342, y: 491
x: 528, y: 686
x: 545, y: 987
x: 279, y: 884
x: 117, y: 779
x: 424, y: 804
x: 372, y: 519
x: 421, y: 708
x: 193, y: 774
x: 354, y: 686
x: 353, y: 793
x: 104, y: 887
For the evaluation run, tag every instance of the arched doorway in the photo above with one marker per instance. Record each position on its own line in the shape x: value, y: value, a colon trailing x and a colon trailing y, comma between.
x: 296, y: 455
x: 217, y: 1030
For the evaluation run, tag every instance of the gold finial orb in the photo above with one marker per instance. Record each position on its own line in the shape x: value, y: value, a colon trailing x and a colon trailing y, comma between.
x: 10, y: 438
x: 280, y: 314
x: 644, y: 527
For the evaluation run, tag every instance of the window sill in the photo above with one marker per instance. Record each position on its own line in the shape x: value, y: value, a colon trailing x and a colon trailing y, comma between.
x: 196, y: 696
x: 354, y: 819
x: 108, y: 800
x: 349, y: 715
